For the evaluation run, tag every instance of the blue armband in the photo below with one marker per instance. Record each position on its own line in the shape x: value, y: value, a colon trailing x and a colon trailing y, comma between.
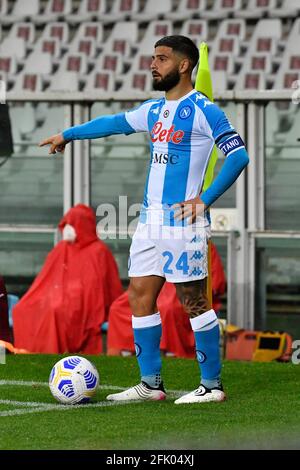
x: 237, y: 159
x: 102, y: 126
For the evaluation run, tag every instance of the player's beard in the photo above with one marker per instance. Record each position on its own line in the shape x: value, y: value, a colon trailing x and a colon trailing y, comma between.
x: 168, y: 82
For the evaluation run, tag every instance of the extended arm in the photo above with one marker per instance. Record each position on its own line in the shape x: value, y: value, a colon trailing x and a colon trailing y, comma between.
x: 236, y: 160
x: 100, y: 127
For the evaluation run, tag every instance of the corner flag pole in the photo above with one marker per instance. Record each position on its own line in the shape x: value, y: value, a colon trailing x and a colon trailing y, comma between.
x: 204, y: 85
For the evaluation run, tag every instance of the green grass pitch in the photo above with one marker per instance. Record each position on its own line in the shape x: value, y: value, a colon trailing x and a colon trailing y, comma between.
x: 262, y: 410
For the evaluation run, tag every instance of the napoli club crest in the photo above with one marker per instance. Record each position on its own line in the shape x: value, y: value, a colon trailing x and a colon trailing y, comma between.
x: 138, y: 349
x: 201, y: 357
x: 185, y: 112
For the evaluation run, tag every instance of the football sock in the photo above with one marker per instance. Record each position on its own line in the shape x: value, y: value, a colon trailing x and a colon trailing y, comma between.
x: 207, y: 335
x: 147, y: 333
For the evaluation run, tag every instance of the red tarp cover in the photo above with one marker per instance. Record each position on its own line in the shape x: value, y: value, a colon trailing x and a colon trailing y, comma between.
x: 70, y: 298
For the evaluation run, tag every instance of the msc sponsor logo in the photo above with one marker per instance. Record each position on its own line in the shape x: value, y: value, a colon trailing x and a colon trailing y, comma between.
x: 164, y: 158
x: 158, y: 134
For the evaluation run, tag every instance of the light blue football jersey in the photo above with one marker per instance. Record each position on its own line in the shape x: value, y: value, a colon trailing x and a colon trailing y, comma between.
x: 182, y: 135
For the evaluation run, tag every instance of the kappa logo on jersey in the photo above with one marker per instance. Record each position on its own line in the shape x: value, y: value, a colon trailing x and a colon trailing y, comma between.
x: 206, y: 102
x: 155, y: 110
x: 166, y: 135
x: 185, y: 112
x: 199, y: 96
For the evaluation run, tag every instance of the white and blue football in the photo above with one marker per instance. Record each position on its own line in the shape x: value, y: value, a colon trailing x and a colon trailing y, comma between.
x: 73, y: 380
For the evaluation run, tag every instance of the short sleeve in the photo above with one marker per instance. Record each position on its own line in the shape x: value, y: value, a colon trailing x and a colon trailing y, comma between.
x: 217, y: 120
x: 137, y: 117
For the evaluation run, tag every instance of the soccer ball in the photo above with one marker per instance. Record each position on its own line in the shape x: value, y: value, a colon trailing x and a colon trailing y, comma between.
x: 73, y: 380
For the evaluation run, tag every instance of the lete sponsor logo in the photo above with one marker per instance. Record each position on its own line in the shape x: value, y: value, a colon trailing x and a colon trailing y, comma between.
x: 166, y: 135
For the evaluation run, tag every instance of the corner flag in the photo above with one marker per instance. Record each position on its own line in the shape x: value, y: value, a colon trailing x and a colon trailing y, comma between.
x: 204, y: 85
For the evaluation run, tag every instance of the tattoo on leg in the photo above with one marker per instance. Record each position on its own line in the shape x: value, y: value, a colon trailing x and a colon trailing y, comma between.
x: 195, y: 306
x: 193, y: 297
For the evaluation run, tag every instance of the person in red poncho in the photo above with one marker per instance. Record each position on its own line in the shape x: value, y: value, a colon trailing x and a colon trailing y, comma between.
x: 69, y: 300
x: 177, y: 335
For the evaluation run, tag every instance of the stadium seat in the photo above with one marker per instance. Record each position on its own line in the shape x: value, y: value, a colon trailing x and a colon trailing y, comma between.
x: 153, y: 10
x: 256, y: 9
x: 23, y: 11
x: 188, y: 9
x: 5, y: 18
x: 47, y: 46
x: 84, y: 46
x: 251, y: 81
x: 121, y: 10
x: 261, y: 63
x: 17, y: 45
x: 25, y: 31
x: 100, y: 81
x: 222, y: 9
x: 286, y: 79
x: 232, y: 27
x: 289, y: 8
x: 112, y: 61
x: 65, y: 81
x: 55, y: 10
x: 222, y: 62
x: 8, y: 64
x: 3, y: 8
x: 28, y: 82
x: 294, y: 36
x: 195, y: 29
x: 226, y: 45
x: 289, y: 69
x: 136, y: 82
x: 89, y: 30
x: 141, y: 62
x: 265, y: 37
x: 58, y: 31
x: 255, y: 72
x: 219, y: 80
x: 122, y: 38
x: 74, y: 63
x: 89, y: 10
x: 155, y: 31
x: 40, y: 64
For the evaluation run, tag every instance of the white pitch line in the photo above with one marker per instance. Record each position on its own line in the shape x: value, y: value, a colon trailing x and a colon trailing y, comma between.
x: 48, y: 407
x: 22, y: 403
x: 102, y: 386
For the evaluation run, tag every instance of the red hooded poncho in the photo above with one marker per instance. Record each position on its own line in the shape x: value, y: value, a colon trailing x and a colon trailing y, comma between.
x: 70, y: 298
x: 177, y: 335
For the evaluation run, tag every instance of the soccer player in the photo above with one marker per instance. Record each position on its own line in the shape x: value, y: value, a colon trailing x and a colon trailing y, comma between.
x: 171, y: 239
